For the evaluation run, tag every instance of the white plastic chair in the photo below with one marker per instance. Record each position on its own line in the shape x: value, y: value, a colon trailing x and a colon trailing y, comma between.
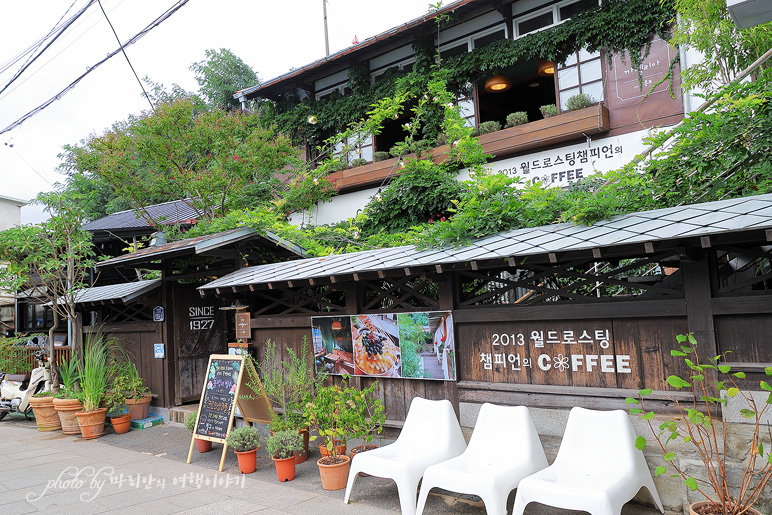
x: 597, y: 469
x: 504, y: 449
x: 431, y: 434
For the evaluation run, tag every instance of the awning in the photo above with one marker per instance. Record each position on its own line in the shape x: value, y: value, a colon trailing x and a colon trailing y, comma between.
x: 116, y: 293
x: 681, y: 224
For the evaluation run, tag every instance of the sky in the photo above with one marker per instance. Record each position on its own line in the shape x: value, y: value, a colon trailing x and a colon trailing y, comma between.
x: 271, y: 37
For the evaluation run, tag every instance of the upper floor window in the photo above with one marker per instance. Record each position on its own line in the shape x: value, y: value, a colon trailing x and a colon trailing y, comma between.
x: 581, y: 73
x: 472, y: 41
x: 326, y: 94
x: 550, y: 16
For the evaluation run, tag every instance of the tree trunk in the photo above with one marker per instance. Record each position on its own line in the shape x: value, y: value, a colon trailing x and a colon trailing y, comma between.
x: 52, y: 355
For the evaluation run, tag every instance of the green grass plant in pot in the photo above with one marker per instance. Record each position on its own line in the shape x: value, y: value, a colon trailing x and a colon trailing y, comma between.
x: 245, y: 441
x: 190, y: 424
x: 289, y: 385
x: 282, y: 447
x: 730, y: 485
x: 94, y: 372
x: 66, y: 400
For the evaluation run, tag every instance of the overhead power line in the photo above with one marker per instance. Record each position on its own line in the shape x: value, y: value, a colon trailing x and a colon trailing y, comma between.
x: 74, y: 83
x: 51, y: 42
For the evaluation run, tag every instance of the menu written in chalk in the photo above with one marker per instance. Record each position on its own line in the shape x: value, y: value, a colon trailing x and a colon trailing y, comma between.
x: 218, y: 397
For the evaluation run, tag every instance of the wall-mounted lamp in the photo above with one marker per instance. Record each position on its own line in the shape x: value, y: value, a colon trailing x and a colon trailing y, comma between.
x: 498, y: 83
x: 545, y: 67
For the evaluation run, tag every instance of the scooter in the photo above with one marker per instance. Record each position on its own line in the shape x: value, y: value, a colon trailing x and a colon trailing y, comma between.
x: 17, y: 389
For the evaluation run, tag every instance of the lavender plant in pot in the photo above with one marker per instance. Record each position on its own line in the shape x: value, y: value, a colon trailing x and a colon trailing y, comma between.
x: 282, y: 447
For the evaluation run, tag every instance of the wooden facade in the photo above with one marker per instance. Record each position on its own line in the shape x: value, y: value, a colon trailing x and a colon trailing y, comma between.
x: 553, y: 331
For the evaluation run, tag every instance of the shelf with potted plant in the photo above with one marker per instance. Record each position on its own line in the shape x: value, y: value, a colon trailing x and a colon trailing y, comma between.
x: 245, y: 441
x: 729, y: 487
x: 282, y: 447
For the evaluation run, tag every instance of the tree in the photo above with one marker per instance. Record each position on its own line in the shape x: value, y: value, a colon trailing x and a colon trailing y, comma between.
x: 221, y: 75
x: 706, y: 26
x: 54, y: 258
x: 214, y: 161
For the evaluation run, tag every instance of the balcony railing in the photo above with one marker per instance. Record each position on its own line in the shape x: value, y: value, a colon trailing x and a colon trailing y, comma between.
x: 541, y: 133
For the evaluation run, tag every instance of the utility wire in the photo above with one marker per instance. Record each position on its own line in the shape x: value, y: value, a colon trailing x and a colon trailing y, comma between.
x: 127, y: 57
x: 74, y: 83
x: 61, y: 31
x: 34, y: 46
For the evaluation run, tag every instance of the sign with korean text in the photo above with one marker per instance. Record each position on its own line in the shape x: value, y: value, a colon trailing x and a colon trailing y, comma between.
x: 580, y: 353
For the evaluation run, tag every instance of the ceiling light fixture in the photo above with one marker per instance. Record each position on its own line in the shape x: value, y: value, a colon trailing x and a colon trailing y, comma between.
x: 545, y: 67
x: 498, y: 83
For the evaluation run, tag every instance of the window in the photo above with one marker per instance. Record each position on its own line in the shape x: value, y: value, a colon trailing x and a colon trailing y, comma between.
x: 328, y: 93
x: 472, y: 41
x: 466, y: 106
x: 489, y: 38
x: 359, y: 146
x: 551, y: 16
x: 582, y: 73
x: 36, y: 316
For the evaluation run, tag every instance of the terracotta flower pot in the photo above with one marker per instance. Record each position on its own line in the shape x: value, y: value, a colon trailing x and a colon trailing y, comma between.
x: 303, y: 456
x: 340, y: 448
x: 121, y: 423
x: 334, y: 475
x: 66, y: 409
x: 92, y: 423
x: 46, y: 416
x: 247, y: 461
x: 361, y: 448
x: 139, y: 408
x: 697, y: 508
x: 203, y: 445
x: 285, y: 468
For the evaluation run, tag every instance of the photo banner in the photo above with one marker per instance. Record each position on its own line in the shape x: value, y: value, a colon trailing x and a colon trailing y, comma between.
x: 406, y: 345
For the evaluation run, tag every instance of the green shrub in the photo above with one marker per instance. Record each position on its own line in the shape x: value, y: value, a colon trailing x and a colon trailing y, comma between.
x: 244, y: 439
x: 516, y: 118
x: 579, y: 101
x: 488, y: 127
x: 190, y: 421
x: 358, y: 162
x: 380, y: 156
x: 549, y: 110
x: 285, y: 444
x: 395, y: 151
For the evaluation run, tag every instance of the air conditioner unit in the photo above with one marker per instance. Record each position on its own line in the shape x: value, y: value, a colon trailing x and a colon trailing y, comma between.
x: 749, y: 13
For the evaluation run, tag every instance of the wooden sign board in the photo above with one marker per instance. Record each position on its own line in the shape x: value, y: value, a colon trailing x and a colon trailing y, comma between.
x: 220, y: 395
x: 243, y: 329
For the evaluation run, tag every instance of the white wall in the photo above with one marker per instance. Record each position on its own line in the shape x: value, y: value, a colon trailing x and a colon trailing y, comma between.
x: 10, y: 213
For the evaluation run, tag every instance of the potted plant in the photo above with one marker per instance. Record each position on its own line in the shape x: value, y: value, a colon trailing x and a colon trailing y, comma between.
x: 282, y: 447
x: 488, y: 127
x: 46, y: 418
x: 66, y: 400
x: 93, y: 371
x: 137, y: 394
x: 330, y: 416
x: 289, y: 384
x: 115, y: 401
x: 549, y: 110
x: 516, y: 118
x: 699, y: 424
x: 579, y: 101
x: 245, y: 442
x: 190, y: 424
x: 367, y: 418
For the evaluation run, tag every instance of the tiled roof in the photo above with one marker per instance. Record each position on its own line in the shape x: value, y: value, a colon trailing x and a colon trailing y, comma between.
x: 124, y: 292
x: 198, y: 245
x: 648, y: 226
x: 167, y: 213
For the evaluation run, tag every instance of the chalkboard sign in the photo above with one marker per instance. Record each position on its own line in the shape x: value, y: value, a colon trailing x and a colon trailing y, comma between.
x: 218, y: 398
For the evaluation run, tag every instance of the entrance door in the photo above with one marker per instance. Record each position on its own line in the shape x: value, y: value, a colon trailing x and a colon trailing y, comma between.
x: 199, y: 331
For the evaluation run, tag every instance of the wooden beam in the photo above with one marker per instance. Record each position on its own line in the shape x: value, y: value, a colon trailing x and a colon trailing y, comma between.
x: 705, y: 242
x: 438, y: 268
x: 474, y: 265
x: 234, y: 289
x: 333, y: 279
x: 310, y: 281
x: 251, y: 287
x: 218, y: 291
x: 407, y: 270
x: 648, y: 247
x: 553, y: 257
x: 511, y: 262
x: 356, y: 277
x: 270, y: 286
x: 289, y: 283
x: 381, y: 274
x: 768, y: 234
x: 596, y: 253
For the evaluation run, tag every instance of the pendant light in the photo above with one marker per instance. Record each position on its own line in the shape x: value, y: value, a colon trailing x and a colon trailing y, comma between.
x: 498, y: 83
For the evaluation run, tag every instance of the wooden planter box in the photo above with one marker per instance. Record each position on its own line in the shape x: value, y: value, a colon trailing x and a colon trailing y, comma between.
x: 541, y: 133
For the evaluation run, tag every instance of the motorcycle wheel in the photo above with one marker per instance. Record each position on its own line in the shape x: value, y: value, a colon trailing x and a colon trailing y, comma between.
x: 3, y: 414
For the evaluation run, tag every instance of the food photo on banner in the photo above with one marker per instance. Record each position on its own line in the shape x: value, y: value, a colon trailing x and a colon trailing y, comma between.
x: 407, y: 345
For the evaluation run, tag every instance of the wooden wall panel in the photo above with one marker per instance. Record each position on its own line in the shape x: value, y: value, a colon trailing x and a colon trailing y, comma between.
x: 747, y: 337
